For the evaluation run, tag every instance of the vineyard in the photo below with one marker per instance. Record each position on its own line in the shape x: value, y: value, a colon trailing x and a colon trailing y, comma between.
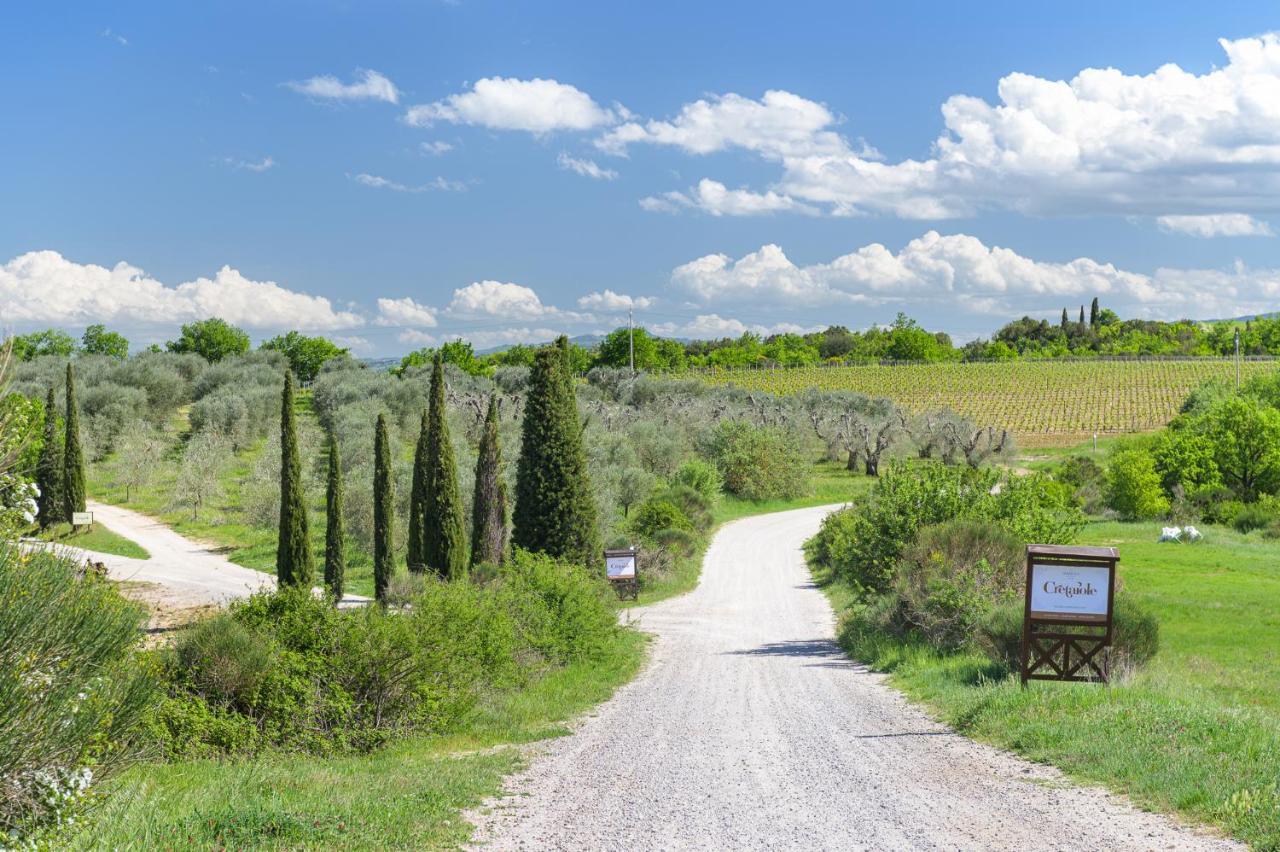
x: 1044, y: 403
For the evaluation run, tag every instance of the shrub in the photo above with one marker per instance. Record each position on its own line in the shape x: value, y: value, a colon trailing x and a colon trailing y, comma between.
x: 702, y: 476
x: 225, y: 661
x: 658, y: 514
x: 1255, y: 516
x: 758, y: 463
x: 73, y: 696
x: 1133, y: 486
x: 953, y: 575
x: 563, y: 612
x: 1086, y: 479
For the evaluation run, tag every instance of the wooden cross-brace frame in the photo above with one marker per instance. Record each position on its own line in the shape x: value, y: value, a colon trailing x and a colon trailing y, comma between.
x: 1062, y: 646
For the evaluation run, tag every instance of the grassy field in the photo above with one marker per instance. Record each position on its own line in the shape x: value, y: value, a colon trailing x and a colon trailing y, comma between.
x: 96, y: 538
x: 1045, y: 403
x: 407, y: 796
x: 1197, y: 731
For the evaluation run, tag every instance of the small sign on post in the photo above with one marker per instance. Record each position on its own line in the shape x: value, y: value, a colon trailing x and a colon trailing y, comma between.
x: 622, y: 568
x: 1067, y: 623
x: 82, y: 519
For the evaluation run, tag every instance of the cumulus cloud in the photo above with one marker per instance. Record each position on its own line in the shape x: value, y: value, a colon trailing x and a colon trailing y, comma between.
x: 1167, y: 143
x: 405, y: 312
x: 500, y: 103
x: 45, y: 287
x: 413, y: 337
x: 611, y: 301
x: 962, y: 272
x: 586, y: 168
x: 438, y: 184
x: 368, y: 85
x: 500, y: 299
x: 714, y: 326
x: 713, y: 197
x: 1216, y: 225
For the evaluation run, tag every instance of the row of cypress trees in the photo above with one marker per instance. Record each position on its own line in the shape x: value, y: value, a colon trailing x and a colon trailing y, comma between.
x: 554, y: 512
x: 60, y: 466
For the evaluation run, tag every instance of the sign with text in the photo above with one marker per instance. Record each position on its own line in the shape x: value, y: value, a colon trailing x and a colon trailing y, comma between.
x: 1066, y: 624
x: 622, y: 569
x: 1082, y: 591
x: 81, y: 519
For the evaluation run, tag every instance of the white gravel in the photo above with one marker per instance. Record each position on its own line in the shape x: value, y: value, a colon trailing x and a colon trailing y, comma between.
x: 750, y: 730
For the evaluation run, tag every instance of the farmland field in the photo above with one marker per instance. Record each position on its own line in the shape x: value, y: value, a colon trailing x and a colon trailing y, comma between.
x: 1044, y: 403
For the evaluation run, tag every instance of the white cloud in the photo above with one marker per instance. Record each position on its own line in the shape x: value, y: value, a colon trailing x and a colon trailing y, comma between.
x: 369, y: 85
x: 405, y: 312
x: 114, y: 36
x: 1170, y: 142
x: 438, y: 184
x: 586, y: 168
x: 611, y: 301
x: 435, y: 149
x: 497, y: 299
x: 258, y: 166
x: 43, y: 286
x: 1216, y: 225
x: 966, y: 275
x: 715, y: 198
x: 357, y: 345
x: 499, y: 103
x: 714, y: 326
x: 413, y: 337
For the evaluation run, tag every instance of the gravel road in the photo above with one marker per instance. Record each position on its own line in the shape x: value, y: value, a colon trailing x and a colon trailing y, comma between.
x: 750, y: 730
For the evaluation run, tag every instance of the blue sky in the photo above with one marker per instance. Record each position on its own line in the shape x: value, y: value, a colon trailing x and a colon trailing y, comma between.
x: 394, y: 174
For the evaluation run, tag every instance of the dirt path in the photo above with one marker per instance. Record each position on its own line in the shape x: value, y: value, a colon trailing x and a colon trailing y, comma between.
x: 750, y: 730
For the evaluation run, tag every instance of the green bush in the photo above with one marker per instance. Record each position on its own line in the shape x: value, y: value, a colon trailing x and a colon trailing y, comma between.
x: 1133, y: 487
x: 563, y: 611
x: 759, y: 463
x: 225, y: 661
x: 657, y: 514
x: 953, y: 575
x: 702, y: 476
x: 73, y: 695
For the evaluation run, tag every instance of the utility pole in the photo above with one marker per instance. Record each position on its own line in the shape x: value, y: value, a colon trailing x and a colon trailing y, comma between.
x: 631, y: 340
x: 1237, y: 359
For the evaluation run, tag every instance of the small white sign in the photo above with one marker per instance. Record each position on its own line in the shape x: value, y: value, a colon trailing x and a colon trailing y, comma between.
x: 81, y: 519
x: 1082, y: 590
x: 620, y: 567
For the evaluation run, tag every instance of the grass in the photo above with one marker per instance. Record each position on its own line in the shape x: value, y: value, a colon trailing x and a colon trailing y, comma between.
x: 408, y: 796
x: 1197, y: 731
x: 96, y: 538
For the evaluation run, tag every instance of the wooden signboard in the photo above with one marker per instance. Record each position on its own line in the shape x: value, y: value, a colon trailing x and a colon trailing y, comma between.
x: 82, y: 519
x: 1066, y: 623
x: 622, y: 568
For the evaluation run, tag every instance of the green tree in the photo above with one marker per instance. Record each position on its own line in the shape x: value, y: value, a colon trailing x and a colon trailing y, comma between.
x: 49, y: 471
x: 615, y: 350
x: 416, y: 553
x: 37, y: 344
x: 554, y: 512
x: 212, y: 339
x: 1065, y: 321
x: 384, y: 501
x: 791, y: 350
x: 1245, y: 435
x: 444, y: 530
x: 457, y: 352
x: 489, y: 503
x: 98, y: 341
x: 306, y: 355
x: 73, y: 491
x: 294, y: 566
x: 1094, y: 315
x: 1133, y: 486
x: 335, y: 538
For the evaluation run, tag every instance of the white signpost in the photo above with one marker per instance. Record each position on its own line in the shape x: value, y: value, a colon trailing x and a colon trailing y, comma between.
x: 1066, y: 625
x: 620, y: 567
x: 622, y: 570
x: 82, y: 519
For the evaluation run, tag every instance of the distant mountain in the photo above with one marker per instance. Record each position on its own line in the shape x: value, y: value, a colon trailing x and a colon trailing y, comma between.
x: 584, y: 340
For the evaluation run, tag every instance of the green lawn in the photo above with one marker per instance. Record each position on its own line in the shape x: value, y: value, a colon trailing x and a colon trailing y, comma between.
x: 406, y: 796
x: 97, y: 538
x: 1197, y: 731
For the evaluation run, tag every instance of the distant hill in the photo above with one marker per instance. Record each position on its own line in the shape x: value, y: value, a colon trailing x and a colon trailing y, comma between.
x: 584, y: 340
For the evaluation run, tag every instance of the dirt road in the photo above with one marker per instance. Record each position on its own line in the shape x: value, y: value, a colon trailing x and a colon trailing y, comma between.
x: 750, y: 730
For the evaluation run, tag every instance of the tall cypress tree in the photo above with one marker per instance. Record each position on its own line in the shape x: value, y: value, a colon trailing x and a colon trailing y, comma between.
x: 1081, y: 322
x: 384, y: 500
x: 72, y: 457
x: 1064, y: 319
x: 335, y: 537
x: 49, y: 468
x: 1094, y: 313
x: 444, y: 530
x: 554, y: 512
x: 416, y: 555
x: 489, y: 506
x: 294, y: 566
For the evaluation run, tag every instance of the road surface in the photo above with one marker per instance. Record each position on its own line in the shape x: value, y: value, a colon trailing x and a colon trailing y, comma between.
x: 750, y: 730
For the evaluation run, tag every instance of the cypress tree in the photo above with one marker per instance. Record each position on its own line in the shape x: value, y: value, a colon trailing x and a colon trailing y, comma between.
x: 554, y: 511
x: 1064, y: 319
x: 49, y: 468
x: 489, y: 506
x: 416, y: 554
x: 294, y: 566
x: 1094, y: 314
x: 1081, y: 323
x: 444, y: 530
x: 335, y: 537
x: 383, y: 511
x: 73, y: 456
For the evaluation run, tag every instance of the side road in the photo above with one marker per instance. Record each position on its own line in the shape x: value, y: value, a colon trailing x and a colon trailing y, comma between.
x: 751, y: 730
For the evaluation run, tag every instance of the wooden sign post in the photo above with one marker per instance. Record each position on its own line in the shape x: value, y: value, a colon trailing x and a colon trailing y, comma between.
x: 81, y: 519
x: 622, y: 568
x: 1066, y: 623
